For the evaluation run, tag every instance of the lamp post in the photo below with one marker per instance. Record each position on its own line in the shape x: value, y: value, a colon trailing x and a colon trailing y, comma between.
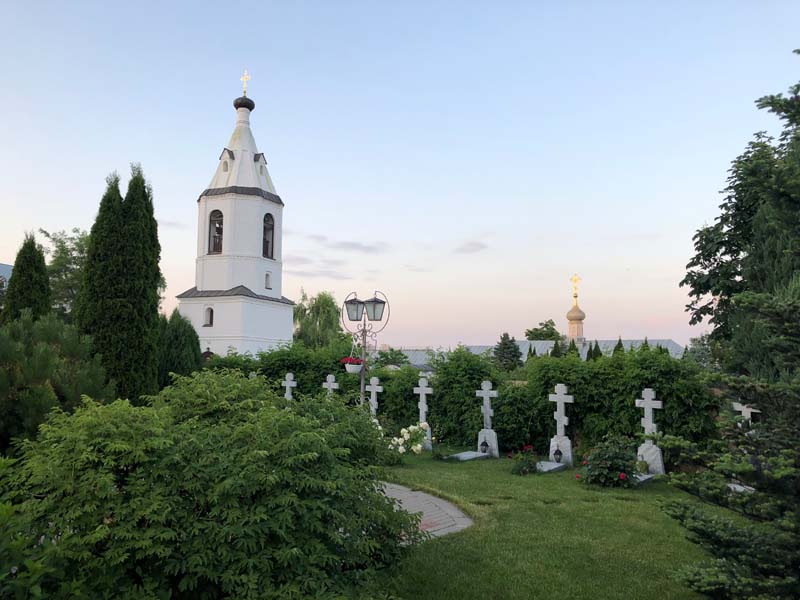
x: 364, y: 313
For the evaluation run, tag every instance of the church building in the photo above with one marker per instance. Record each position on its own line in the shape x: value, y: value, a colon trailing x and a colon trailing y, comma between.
x: 236, y: 303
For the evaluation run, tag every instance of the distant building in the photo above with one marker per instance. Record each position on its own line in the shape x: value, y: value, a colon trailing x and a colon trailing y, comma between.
x: 5, y: 276
x: 420, y: 357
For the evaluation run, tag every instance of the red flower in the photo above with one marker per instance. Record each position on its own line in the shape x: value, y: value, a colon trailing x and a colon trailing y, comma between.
x: 350, y: 360
x: 527, y: 447
x: 586, y: 462
x: 623, y: 476
x: 577, y: 475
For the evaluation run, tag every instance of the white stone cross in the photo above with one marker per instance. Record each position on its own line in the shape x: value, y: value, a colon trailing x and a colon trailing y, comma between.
x: 648, y: 402
x: 487, y: 393
x: 745, y: 410
x: 289, y: 383
x: 373, y: 388
x: 422, y: 391
x: 330, y: 384
x: 561, y: 398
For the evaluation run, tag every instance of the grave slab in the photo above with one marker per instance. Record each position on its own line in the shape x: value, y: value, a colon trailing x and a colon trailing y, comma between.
x: 547, y: 466
x: 469, y: 455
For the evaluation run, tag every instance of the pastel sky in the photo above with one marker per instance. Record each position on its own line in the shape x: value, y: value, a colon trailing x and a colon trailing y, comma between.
x: 463, y: 157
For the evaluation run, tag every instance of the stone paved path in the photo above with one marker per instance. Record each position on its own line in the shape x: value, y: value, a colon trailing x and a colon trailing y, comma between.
x: 439, y: 517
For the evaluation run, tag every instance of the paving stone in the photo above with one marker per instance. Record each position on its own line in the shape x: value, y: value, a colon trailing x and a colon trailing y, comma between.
x: 439, y: 517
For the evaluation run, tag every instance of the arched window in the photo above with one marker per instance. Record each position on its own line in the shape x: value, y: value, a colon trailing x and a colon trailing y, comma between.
x: 215, y: 232
x: 225, y: 166
x: 268, y: 247
x: 209, y: 320
x: 268, y: 281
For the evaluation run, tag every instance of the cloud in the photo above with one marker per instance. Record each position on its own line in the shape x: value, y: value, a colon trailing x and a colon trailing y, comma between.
x: 171, y: 224
x: 297, y: 260
x: 376, y: 248
x: 417, y: 269
x: 470, y: 247
x: 323, y: 273
x: 347, y: 245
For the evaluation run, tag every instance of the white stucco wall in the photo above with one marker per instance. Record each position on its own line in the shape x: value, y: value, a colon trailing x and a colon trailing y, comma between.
x: 241, y: 261
x: 240, y: 323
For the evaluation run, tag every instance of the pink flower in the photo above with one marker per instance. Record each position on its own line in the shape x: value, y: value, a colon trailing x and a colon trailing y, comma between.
x: 622, y: 476
x: 586, y: 462
x: 577, y: 475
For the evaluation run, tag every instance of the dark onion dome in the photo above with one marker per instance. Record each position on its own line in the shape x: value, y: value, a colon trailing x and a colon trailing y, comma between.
x: 244, y: 102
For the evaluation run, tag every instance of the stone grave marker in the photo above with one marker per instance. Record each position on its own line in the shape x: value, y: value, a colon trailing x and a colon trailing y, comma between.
x: 649, y: 451
x: 330, y: 384
x: 373, y: 388
x: 422, y: 390
x: 487, y: 435
x: 289, y: 383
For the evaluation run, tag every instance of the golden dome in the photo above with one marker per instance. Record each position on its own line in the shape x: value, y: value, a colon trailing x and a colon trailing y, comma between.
x: 575, y: 313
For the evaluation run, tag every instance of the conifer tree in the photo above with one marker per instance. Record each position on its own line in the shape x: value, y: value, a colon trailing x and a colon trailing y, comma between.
x: 29, y: 286
x: 619, y: 348
x: 118, y: 303
x: 645, y: 345
x: 556, y: 352
x: 596, y: 351
x: 507, y: 354
x: 531, y: 351
x: 572, y: 350
x: 179, y: 348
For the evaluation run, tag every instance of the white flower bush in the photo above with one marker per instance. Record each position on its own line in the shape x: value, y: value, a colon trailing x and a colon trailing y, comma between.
x: 410, y: 439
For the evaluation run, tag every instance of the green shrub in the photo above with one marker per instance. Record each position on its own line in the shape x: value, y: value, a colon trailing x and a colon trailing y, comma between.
x: 397, y: 404
x: 525, y: 461
x: 44, y: 364
x: 612, y: 463
x: 219, y: 488
x: 455, y: 411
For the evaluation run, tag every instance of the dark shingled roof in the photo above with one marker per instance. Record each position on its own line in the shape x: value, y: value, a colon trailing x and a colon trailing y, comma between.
x: 245, y: 191
x: 239, y: 290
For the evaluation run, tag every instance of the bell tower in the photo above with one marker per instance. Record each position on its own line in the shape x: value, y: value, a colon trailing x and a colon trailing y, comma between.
x: 237, y: 302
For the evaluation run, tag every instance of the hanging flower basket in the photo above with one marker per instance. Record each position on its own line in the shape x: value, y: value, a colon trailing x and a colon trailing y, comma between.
x: 351, y: 364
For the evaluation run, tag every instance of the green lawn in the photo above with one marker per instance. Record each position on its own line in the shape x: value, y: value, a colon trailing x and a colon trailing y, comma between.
x: 542, y: 536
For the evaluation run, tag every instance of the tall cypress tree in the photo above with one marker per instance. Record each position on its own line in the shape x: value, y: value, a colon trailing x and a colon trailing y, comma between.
x: 556, y: 351
x: 29, y: 286
x: 572, y: 350
x: 118, y: 304
x: 179, y: 347
x: 596, y: 351
x: 619, y: 348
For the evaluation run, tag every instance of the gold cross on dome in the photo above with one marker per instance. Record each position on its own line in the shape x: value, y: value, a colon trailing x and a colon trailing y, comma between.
x: 244, y: 79
x: 575, y: 280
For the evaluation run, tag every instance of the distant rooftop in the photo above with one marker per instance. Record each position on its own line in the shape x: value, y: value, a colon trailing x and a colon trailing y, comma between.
x: 5, y: 271
x: 420, y: 357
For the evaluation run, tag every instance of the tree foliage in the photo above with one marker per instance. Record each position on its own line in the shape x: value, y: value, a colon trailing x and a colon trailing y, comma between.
x: 67, y: 260
x: 390, y: 357
x: 545, y: 331
x: 44, y: 364
x: 507, y: 354
x: 119, y: 297
x: 29, y: 288
x: 317, y: 320
x: 220, y: 488
x: 745, y: 278
x: 178, y: 348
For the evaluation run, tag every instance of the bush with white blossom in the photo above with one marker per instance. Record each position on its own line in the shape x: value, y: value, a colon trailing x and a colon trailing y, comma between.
x: 410, y: 439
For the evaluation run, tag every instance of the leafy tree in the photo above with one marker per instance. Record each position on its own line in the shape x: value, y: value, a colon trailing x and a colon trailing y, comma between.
x: 172, y: 500
x: 619, y: 348
x: 65, y: 270
x: 119, y: 298
x: 29, y: 288
x: 178, y: 347
x: 392, y: 356
x: 507, y: 354
x: 556, y: 351
x: 546, y: 331
x: 317, y: 320
x: 44, y: 364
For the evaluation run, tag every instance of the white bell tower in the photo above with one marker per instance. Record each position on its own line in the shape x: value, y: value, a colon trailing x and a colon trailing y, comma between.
x: 236, y: 304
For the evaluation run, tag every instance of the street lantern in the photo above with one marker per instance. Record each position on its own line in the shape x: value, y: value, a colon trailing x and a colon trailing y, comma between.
x: 355, y: 309
x: 484, y: 447
x: 375, y: 307
x: 558, y: 455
